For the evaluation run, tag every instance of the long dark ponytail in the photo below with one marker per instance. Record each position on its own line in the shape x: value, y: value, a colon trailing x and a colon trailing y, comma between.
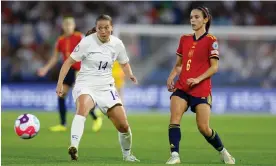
x: 93, y: 30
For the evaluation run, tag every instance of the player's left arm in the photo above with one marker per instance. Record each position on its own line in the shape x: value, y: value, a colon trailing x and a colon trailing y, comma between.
x: 124, y: 63
x: 211, y: 71
x: 214, y: 64
x: 128, y: 72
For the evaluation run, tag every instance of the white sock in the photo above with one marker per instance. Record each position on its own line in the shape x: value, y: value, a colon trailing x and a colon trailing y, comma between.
x: 125, y: 140
x: 77, y: 130
x: 223, y: 150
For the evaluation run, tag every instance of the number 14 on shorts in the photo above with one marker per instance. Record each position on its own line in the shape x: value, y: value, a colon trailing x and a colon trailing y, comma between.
x: 114, y: 94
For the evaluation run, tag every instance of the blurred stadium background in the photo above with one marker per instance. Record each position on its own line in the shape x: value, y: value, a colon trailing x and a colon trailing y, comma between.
x: 244, y: 85
x: 150, y: 31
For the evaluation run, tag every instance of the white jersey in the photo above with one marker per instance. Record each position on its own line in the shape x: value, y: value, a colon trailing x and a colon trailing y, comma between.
x: 97, y: 60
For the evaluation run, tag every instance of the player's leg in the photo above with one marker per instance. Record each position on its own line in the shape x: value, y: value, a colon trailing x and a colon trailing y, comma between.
x: 97, y: 121
x: 93, y: 114
x: 118, y: 117
x: 203, y: 111
x: 84, y: 103
x: 62, y: 111
x: 178, y: 106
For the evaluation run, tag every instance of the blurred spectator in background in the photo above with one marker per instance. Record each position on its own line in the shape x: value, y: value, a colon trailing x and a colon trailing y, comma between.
x: 29, y: 29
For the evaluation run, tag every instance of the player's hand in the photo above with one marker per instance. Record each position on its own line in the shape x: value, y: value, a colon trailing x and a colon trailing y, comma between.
x: 192, y: 81
x: 59, y: 90
x: 170, y: 85
x: 133, y: 79
x: 42, y: 72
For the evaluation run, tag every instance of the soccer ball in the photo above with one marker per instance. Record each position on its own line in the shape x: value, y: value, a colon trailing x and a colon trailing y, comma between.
x: 26, y: 126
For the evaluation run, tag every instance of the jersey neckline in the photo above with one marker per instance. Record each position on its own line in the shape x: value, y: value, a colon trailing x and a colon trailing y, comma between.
x: 202, y: 36
x: 100, y: 42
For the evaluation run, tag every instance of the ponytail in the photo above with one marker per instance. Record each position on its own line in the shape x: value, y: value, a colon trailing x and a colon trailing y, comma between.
x: 91, y: 31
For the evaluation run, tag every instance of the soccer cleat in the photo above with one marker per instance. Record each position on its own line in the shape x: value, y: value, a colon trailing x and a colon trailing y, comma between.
x: 226, y: 158
x: 97, y: 124
x: 58, y: 128
x: 73, y: 152
x: 174, y: 159
x: 98, y: 113
x: 130, y: 158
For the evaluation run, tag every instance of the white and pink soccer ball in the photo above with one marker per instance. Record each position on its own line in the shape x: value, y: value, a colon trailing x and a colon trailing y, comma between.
x: 27, y: 126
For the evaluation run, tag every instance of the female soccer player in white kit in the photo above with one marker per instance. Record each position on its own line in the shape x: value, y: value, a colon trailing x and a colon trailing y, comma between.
x: 95, y: 84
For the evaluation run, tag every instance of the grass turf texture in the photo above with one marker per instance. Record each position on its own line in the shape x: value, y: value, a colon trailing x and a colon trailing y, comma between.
x: 249, y: 138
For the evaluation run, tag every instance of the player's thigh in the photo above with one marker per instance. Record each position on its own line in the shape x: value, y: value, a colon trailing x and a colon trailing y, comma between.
x: 110, y: 104
x: 178, y: 105
x: 203, y: 112
x: 84, y: 99
x: 118, y: 117
x: 202, y: 107
x: 84, y: 104
x: 106, y: 98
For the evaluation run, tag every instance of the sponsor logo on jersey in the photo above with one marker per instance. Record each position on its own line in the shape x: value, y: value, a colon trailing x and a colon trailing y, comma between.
x: 191, y: 53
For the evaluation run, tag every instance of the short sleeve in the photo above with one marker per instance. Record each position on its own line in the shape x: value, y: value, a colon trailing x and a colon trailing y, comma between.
x: 122, y: 57
x: 180, y: 47
x: 213, y: 48
x: 80, y: 50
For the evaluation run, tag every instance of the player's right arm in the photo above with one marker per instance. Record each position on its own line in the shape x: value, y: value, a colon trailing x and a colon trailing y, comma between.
x: 176, y: 69
x: 52, y: 61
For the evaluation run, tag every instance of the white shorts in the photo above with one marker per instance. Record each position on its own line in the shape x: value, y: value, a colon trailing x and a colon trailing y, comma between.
x: 104, y: 98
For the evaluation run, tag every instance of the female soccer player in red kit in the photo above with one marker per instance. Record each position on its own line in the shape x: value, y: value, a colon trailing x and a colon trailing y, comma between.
x: 196, y: 62
x: 65, y: 45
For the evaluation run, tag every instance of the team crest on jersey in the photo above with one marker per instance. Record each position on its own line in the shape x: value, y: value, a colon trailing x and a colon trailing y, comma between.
x: 215, y: 45
x: 191, y: 53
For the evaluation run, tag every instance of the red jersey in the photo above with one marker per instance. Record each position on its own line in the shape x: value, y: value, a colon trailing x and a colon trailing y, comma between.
x: 196, y: 56
x: 66, y: 45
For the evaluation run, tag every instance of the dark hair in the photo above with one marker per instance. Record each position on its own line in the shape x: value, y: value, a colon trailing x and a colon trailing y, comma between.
x: 206, y: 14
x: 104, y: 17
x: 93, y: 30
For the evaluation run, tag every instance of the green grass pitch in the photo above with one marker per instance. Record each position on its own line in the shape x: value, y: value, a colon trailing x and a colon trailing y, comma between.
x: 251, y: 139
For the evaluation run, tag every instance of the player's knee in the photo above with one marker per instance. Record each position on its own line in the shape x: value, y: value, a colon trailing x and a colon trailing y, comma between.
x: 175, y: 118
x: 123, y: 128
x: 204, y: 129
x: 82, y: 110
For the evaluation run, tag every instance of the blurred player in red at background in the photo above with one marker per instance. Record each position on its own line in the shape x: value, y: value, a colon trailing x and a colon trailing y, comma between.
x: 65, y: 45
x: 197, y: 61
